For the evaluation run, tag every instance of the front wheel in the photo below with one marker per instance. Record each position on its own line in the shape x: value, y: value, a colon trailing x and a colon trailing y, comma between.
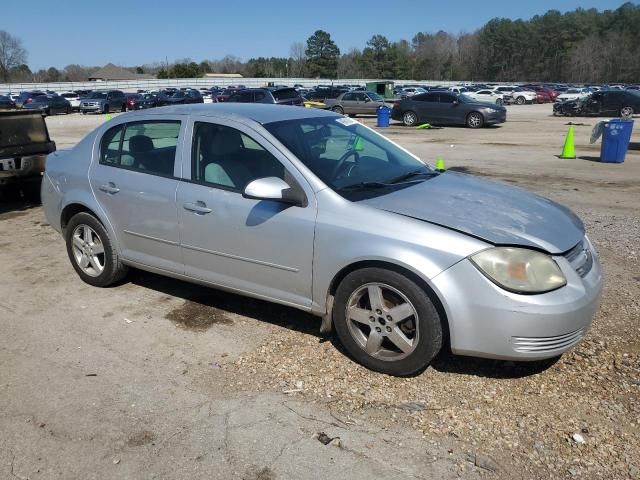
x: 409, y: 118
x: 386, y: 321
x: 105, y: 110
x: 124, y: 107
x: 91, y: 251
x: 475, y: 120
x: 499, y: 101
x: 626, y: 112
x: 521, y: 100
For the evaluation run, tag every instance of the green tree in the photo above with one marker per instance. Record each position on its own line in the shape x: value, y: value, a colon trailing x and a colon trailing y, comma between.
x: 322, y: 55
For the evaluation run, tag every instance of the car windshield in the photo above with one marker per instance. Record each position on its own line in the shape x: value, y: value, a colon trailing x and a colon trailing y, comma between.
x: 148, y: 96
x: 350, y: 158
x: 98, y: 95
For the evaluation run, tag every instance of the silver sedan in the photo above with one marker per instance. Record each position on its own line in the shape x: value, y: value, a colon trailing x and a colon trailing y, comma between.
x: 313, y: 210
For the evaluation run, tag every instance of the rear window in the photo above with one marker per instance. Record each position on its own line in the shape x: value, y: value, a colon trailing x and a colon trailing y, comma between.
x: 70, y: 95
x: 285, y: 94
x: 23, y: 130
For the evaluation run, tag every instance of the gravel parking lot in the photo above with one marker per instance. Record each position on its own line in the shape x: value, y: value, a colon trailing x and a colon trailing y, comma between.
x: 156, y: 378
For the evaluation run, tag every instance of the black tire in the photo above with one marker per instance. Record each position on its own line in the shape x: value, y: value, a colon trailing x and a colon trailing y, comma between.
x: 114, y: 269
x: 521, y: 100
x: 429, y: 324
x: 69, y: 110
x: 410, y: 118
x: 338, y: 109
x: 106, y: 109
x: 83, y: 112
x: 475, y: 120
x: 124, y: 107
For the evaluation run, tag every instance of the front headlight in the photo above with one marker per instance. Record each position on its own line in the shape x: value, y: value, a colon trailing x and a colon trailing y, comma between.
x: 519, y: 270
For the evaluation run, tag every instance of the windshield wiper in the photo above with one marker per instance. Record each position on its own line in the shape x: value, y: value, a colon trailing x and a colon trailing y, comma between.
x: 364, y: 186
x: 414, y: 173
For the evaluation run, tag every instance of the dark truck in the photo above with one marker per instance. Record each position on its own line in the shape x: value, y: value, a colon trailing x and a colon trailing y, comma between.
x: 24, y: 146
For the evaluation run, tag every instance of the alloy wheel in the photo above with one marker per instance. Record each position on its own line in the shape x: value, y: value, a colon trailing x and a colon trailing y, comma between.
x: 382, y: 321
x: 626, y: 112
x: 88, y: 250
x: 474, y: 120
x: 410, y: 119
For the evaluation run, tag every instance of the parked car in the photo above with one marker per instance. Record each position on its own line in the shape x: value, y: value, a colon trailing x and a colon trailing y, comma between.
x: 275, y: 95
x: 543, y: 94
x: 225, y: 94
x: 410, y: 91
x: 334, y: 219
x: 103, y: 101
x: 519, y: 96
x: 180, y: 97
x: 573, y: 94
x: 49, y: 104
x: 623, y: 103
x: 446, y: 108
x: 322, y: 93
x: 73, y: 98
x: 6, y: 103
x: 27, y: 97
x: 131, y: 99
x: 485, y: 95
x: 356, y: 103
x: 146, y: 100
x: 207, y: 97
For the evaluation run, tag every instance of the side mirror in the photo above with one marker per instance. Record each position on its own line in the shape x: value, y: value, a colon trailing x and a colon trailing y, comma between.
x: 276, y: 189
x: 367, y: 99
x: 456, y: 102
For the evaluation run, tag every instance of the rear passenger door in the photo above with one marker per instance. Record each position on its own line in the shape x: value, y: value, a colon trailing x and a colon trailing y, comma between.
x: 426, y: 106
x: 134, y: 178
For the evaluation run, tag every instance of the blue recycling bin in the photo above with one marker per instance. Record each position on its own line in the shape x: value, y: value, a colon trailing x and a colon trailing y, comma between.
x: 384, y: 114
x: 616, y: 136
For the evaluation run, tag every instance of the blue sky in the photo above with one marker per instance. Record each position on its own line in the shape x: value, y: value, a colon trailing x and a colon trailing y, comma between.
x: 135, y: 32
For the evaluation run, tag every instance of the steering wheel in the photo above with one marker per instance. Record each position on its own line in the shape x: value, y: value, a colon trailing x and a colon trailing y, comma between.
x: 342, y: 161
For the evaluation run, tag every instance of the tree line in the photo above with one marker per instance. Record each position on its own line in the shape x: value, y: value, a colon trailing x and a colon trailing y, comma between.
x: 584, y: 45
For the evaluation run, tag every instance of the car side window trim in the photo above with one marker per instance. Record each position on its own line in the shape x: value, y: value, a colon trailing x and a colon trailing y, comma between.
x: 122, y: 132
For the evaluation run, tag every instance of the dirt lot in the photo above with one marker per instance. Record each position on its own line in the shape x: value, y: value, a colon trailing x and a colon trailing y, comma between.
x: 157, y: 378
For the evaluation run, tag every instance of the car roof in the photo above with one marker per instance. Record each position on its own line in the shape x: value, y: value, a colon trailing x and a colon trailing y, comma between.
x: 261, y: 113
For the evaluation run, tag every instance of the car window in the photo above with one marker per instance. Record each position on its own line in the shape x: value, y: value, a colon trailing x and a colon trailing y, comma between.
x: 285, y: 94
x: 259, y: 96
x: 348, y: 97
x: 146, y: 146
x: 447, y: 98
x: 225, y: 157
x: 426, y: 97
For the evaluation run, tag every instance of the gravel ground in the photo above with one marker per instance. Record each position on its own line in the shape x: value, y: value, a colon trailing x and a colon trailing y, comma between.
x: 574, y: 417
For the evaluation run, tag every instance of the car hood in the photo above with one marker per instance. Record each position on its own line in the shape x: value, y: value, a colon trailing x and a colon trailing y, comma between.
x: 497, y: 213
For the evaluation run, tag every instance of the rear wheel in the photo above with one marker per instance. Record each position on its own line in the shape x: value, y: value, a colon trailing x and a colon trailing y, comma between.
x: 409, y: 118
x: 386, y: 321
x: 626, y: 112
x: 91, y: 251
x: 521, y: 100
x: 338, y: 109
x: 475, y: 120
x: 105, y: 109
x: 124, y: 107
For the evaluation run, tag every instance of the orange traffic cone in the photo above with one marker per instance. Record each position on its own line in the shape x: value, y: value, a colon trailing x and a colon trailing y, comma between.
x: 568, y: 151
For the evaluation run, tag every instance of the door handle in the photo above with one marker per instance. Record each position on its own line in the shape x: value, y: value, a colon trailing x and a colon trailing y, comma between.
x: 109, y: 188
x: 198, y: 207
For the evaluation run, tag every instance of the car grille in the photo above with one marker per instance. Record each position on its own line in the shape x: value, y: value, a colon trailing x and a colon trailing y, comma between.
x: 546, y: 344
x: 580, y: 258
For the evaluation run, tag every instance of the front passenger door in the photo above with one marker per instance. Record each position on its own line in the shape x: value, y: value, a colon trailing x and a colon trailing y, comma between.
x: 261, y: 247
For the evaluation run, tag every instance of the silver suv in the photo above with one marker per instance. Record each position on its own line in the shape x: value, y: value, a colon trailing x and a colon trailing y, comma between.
x: 314, y: 210
x: 104, y: 101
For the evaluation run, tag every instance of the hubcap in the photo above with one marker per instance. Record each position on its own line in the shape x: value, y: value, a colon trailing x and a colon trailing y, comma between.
x: 409, y: 118
x: 627, y: 112
x: 382, y: 321
x: 88, y: 250
x: 474, y: 120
